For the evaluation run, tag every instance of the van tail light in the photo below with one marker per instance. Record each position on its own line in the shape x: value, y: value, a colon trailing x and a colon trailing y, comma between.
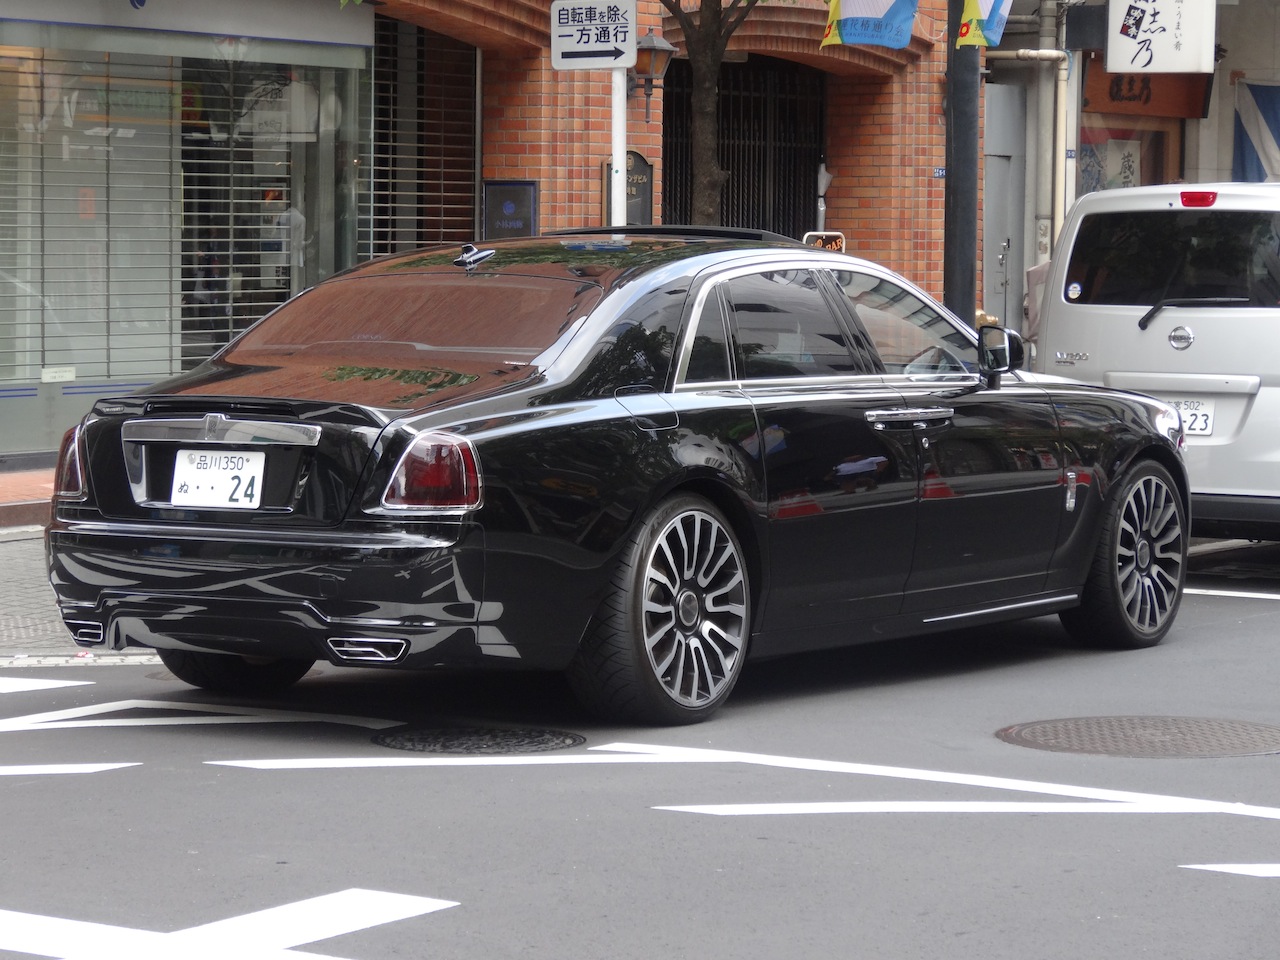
x: 438, y: 473
x: 69, y: 476
x: 1199, y: 198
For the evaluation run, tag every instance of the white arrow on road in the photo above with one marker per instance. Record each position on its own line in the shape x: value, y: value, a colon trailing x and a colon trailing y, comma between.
x: 1243, y: 869
x: 24, y: 684
x: 159, y: 713
x: 1102, y: 800
x: 264, y: 935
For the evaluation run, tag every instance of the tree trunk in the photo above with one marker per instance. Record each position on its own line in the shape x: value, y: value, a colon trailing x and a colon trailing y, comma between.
x: 708, y: 176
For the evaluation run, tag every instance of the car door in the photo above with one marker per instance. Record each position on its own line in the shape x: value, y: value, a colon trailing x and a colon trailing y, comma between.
x: 989, y: 461
x: 841, y: 495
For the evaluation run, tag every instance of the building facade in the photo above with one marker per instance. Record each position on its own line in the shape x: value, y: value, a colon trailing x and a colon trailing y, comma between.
x: 169, y: 175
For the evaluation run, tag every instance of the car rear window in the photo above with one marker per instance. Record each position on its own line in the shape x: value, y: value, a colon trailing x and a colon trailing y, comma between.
x: 412, y: 316
x: 1142, y: 257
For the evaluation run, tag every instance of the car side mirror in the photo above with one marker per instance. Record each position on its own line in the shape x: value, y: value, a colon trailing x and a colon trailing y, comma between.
x: 999, y: 351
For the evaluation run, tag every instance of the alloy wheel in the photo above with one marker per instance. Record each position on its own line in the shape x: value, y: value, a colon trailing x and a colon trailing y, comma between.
x: 695, y: 608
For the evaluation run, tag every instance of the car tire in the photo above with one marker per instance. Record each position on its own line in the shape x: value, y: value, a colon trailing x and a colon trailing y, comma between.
x: 668, y: 643
x: 229, y: 673
x: 1135, y: 585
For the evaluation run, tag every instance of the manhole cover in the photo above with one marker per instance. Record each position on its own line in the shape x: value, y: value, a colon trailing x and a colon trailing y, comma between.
x: 479, y: 740
x: 1146, y: 736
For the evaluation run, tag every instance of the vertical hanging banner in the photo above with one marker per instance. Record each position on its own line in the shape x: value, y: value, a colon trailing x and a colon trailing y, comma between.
x: 982, y: 22
x: 1256, y: 157
x: 882, y: 23
x: 1160, y: 36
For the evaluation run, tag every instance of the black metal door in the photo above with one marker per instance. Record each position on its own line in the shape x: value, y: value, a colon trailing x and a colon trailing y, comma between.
x: 771, y: 143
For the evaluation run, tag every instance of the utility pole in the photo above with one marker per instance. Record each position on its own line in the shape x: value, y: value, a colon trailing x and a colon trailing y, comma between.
x: 960, y: 203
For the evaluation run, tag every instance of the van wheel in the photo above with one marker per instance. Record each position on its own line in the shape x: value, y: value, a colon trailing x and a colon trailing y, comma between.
x: 669, y: 641
x: 1135, y: 585
x: 230, y: 673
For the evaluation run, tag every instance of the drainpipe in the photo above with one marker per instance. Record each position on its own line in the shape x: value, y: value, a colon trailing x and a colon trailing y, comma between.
x: 1051, y: 179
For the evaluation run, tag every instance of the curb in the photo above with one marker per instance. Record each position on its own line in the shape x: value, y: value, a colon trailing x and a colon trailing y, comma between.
x: 25, y: 513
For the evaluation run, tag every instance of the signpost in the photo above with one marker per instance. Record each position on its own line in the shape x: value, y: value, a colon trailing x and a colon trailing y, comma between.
x: 600, y: 35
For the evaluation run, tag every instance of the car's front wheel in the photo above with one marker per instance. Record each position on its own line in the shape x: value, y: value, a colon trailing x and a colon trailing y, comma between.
x: 669, y: 642
x: 1135, y: 585
x: 229, y: 673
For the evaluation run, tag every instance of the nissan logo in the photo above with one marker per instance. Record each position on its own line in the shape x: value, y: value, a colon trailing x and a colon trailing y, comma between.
x: 1180, y: 338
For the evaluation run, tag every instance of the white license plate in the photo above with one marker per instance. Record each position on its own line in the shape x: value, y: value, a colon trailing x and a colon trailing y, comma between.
x: 1197, y: 415
x: 212, y: 478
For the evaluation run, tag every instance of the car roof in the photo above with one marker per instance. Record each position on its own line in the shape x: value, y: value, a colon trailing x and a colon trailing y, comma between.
x: 1230, y: 196
x: 601, y: 255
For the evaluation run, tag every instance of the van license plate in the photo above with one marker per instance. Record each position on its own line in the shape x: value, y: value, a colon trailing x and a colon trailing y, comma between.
x: 222, y: 480
x: 1197, y: 416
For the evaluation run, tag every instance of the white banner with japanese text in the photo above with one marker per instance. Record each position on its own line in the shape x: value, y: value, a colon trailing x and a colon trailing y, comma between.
x: 1160, y: 36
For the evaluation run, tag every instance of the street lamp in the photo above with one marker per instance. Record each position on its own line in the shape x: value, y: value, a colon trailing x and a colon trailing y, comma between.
x: 653, y: 56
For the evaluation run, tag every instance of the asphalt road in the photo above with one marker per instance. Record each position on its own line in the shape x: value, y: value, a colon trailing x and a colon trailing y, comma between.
x: 858, y: 803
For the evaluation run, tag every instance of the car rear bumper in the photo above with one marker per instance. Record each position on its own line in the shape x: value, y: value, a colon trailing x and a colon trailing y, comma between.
x: 390, y: 599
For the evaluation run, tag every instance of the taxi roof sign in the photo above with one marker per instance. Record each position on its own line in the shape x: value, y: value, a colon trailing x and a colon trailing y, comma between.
x: 593, y: 34
x: 825, y: 239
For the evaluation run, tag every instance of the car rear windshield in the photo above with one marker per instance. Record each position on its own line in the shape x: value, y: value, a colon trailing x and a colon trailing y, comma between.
x: 411, y: 317
x: 1143, y: 257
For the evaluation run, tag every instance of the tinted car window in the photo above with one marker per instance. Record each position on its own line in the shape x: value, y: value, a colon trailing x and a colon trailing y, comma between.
x: 709, y: 358
x: 909, y: 334
x: 1141, y: 257
x: 401, y: 318
x: 786, y: 327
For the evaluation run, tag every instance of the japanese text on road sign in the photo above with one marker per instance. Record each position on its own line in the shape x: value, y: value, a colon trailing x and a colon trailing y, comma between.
x: 593, y: 34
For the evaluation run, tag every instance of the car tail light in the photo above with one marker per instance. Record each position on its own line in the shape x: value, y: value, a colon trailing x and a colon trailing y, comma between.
x: 439, y: 472
x: 69, y: 476
x: 1199, y: 198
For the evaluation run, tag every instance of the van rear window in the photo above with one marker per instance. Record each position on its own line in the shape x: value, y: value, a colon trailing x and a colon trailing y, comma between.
x: 1142, y: 257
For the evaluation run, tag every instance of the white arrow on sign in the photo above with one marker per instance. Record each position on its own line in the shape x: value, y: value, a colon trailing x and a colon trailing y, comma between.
x: 264, y: 935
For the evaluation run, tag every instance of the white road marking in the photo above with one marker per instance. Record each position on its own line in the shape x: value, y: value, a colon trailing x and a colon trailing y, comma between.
x: 1234, y: 594
x: 191, y: 714
x: 535, y: 760
x: 1106, y: 801
x: 45, y: 769
x: 22, y: 685
x: 264, y: 935
x: 1244, y: 869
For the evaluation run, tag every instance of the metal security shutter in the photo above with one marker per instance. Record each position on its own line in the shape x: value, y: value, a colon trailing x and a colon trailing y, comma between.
x: 771, y: 143
x: 88, y: 217
x: 424, y: 122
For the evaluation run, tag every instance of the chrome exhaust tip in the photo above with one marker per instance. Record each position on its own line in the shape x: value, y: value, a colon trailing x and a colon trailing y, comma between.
x: 87, y: 633
x: 365, y: 650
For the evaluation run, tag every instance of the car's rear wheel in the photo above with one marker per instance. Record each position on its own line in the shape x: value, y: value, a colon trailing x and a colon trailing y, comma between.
x: 1135, y: 585
x: 668, y: 643
x: 229, y: 673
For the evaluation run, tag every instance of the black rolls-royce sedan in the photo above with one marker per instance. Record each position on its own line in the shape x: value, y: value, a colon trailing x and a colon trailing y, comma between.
x: 639, y: 458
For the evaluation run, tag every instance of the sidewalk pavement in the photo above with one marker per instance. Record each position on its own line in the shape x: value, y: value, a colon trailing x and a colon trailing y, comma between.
x: 24, y: 497
x: 31, y: 632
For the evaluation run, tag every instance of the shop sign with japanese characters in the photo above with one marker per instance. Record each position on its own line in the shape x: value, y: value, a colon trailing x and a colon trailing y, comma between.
x: 1160, y: 36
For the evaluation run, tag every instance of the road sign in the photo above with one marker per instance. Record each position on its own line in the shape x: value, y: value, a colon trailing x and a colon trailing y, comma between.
x: 593, y: 34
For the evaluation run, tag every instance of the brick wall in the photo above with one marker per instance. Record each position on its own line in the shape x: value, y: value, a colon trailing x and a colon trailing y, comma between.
x: 886, y: 136
x: 555, y: 127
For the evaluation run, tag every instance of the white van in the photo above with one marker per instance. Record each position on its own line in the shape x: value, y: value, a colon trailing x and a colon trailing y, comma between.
x: 1174, y: 291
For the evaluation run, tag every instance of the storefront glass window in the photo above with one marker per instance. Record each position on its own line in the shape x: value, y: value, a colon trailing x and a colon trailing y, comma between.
x: 153, y: 204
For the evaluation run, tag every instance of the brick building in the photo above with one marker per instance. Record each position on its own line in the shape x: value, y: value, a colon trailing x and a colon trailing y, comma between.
x: 878, y: 121
x: 169, y: 176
